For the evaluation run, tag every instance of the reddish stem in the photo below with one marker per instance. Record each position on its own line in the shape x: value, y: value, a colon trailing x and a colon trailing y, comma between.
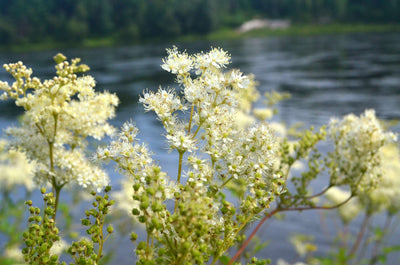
x: 252, y: 235
x: 282, y: 210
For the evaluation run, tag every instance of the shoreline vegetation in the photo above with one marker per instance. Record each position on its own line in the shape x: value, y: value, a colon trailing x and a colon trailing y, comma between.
x: 218, y: 35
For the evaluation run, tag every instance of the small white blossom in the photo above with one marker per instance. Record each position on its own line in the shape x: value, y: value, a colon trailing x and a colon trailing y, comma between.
x: 176, y: 62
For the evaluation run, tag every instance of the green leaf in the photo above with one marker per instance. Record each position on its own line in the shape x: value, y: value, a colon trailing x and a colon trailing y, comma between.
x: 224, y: 259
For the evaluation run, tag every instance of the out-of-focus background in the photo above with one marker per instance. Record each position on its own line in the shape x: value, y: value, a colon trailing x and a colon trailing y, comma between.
x: 333, y: 56
x: 43, y: 23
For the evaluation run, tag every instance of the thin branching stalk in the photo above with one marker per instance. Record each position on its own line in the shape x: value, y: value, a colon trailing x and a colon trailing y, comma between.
x: 190, y: 119
x: 360, y: 236
x: 269, y: 215
x: 319, y: 193
x: 252, y: 235
x: 379, y: 241
x: 101, y: 242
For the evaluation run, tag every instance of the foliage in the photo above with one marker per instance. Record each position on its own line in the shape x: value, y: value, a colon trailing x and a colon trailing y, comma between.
x: 63, y: 21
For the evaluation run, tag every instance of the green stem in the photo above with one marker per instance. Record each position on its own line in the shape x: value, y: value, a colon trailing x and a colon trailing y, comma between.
x: 226, y: 181
x: 319, y: 193
x: 198, y: 128
x: 57, y: 190
x: 180, y: 166
x: 179, y: 174
x: 190, y: 119
x: 101, y: 242
x: 214, y: 260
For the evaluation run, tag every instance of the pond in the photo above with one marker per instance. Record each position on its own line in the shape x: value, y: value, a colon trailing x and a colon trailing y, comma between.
x: 327, y: 76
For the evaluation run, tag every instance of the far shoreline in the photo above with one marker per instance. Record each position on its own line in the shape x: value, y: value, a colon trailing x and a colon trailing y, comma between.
x: 218, y: 35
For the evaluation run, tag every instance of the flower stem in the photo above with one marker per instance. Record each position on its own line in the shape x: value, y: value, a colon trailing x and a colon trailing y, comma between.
x: 378, y: 243
x: 190, y: 119
x: 319, y: 193
x: 252, y: 235
x: 57, y: 190
x: 180, y: 166
x: 178, y: 179
x: 359, y: 236
x: 101, y: 242
x: 276, y: 210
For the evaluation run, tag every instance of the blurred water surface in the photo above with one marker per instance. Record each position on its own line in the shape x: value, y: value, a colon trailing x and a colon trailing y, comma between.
x: 327, y: 76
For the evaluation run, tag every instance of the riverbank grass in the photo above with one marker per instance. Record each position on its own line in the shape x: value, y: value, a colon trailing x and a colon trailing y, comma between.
x: 221, y: 34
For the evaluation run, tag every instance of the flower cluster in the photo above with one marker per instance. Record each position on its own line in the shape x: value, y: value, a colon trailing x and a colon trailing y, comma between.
x: 15, y: 168
x: 59, y: 114
x: 214, y: 154
x: 384, y: 197
x: 356, y: 158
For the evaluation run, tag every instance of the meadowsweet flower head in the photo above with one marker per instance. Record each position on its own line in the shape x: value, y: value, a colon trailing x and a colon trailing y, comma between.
x: 263, y: 113
x: 385, y: 197
x: 215, y: 59
x: 179, y: 63
x: 60, y: 113
x: 14, y: 253
x: 213, y: 154
x: 356, y: 159
x: 15, y: 168
x: 164, y: 103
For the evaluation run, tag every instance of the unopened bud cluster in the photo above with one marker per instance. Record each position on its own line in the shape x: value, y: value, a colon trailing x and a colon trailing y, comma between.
x: 84, y: 251
x: 41, y: 233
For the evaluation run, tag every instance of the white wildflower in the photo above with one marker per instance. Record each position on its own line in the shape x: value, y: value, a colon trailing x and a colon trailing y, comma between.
x: 60, y: 113
x: 356, y: 157
x: 15, y: 168
x: 177, y: 62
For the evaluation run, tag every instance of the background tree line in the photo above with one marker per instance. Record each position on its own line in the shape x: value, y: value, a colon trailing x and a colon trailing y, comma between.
x: 27, y: 21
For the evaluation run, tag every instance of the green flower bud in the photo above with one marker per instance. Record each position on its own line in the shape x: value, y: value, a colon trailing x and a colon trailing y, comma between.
x: 134, y: 236
x: 150, y: 191
x: 136, y: 186
x: 135, y: 211
x: 45, y: 259
x: 142, y: 219
x: 142, y: 245
x: 85, y: 222
x: 54, y: 258
x: 59, y: 58
x: 156, y: 207
x: 157, y: 224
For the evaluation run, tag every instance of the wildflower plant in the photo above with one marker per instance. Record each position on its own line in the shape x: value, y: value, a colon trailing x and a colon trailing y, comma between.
x: 202, y: 222
x: 42, y: 233
x: 60, y: 114
x: 233, y: 165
